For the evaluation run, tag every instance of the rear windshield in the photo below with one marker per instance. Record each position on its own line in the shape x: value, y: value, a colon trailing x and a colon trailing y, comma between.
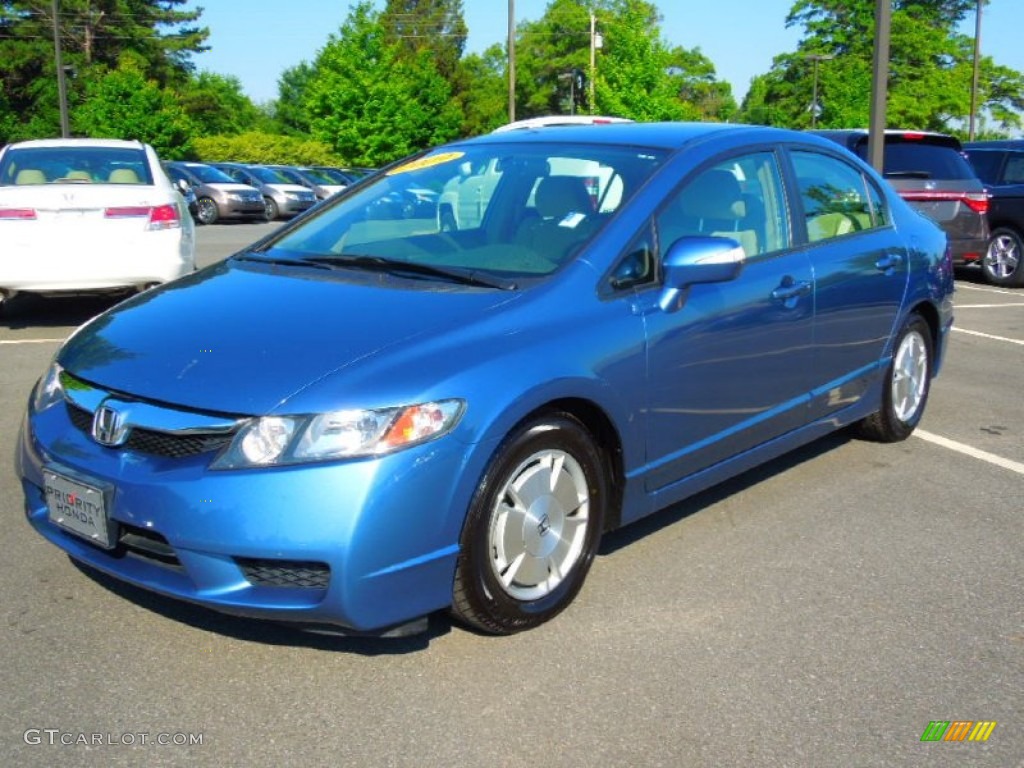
x: 74, y: 165
x: 920, y: 160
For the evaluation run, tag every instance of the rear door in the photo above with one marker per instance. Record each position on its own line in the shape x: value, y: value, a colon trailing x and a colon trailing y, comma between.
x: 861, y: 270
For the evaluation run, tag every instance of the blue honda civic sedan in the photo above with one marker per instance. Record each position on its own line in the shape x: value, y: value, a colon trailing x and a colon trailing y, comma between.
x: 381, y: 411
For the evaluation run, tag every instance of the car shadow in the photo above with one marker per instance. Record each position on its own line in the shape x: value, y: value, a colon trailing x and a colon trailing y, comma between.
x: 616, y: 540
x: 268, y: 632
x: 31, y: 311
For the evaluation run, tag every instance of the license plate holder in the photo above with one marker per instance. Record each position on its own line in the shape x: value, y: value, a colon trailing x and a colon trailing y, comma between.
x: 79, y: 506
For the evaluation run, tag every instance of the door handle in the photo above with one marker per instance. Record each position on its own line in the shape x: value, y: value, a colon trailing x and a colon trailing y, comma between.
x: 791, y: 289
x: 888, y: 262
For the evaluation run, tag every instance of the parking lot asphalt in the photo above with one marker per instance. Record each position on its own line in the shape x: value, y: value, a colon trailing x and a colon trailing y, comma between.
x: 821, y: 610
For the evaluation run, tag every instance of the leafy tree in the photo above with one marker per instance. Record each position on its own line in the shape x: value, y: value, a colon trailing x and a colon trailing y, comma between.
x: 930, y: 69
x: 94, y: 34
x: 433, y: 26
x: 217, y: 105
x: 638, y: 75
x: 485, y: 99
x: 373, y: 104
x: 123, y: 104
x: 290, y: 107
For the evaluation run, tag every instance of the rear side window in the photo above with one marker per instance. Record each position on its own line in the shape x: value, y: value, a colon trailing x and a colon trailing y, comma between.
x: 836, y: 198
x: 986, y: 164
x: 1014, y: 171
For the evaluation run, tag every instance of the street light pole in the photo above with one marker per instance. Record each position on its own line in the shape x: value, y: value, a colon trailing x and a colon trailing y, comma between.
x: 511, y: 61
x: 974, y: 78
x: 816, y: 58
x: 62, y: 91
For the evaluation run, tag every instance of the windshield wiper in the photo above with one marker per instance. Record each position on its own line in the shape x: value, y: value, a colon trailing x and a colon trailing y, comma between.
x: 397, y: 267
x: 264, y: 259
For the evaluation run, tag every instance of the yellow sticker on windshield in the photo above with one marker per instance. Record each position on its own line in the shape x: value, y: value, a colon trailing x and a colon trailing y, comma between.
x: 426, y: 162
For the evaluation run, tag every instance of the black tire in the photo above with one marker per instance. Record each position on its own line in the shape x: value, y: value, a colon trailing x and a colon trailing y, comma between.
x: 905, y: 389
x: 557, y: 452
x: 206, y: 211
x: 1003, y: 263
x: 270, y: 209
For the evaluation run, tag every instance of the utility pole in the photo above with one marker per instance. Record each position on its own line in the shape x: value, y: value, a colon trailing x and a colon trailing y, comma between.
x: 62, y: 91
x: 511, y: 61
x: 974, y: 79
x: 595, y: 43
x: 879, y: 84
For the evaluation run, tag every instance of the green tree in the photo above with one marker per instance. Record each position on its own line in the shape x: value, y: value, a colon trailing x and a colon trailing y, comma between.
x: 638, y: 75
x: 370, y: 102
x: 485, y: 98
x: 290, y: 108
x: 427, y: 26
x: 94, y: 34
x: 216, y: 105
x: 930, y: 70
x: 123, y: 104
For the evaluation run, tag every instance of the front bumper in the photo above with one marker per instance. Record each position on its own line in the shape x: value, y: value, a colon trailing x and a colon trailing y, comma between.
x: 360, y: 545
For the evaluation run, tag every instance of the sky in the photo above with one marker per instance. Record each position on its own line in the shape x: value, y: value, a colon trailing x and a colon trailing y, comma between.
x: 256, y: 40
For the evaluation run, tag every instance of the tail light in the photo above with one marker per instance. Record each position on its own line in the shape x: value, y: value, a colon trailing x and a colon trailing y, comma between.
x: 976, y: 201
x: 17, y: 214
x: 160, y: 216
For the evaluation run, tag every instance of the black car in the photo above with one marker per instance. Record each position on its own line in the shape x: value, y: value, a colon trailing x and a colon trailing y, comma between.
x: 1000, y: 165
x: 929, y: 171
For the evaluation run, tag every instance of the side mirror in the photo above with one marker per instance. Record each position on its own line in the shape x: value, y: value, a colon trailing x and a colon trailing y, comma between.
x: 182, y: 186
x: 695, y: 260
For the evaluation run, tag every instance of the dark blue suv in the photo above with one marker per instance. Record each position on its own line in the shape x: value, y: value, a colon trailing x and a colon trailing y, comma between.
x: 1000, y: 165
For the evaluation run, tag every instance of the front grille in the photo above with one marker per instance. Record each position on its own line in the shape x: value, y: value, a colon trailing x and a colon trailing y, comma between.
x: 285, y: 573
x: 157, y: 443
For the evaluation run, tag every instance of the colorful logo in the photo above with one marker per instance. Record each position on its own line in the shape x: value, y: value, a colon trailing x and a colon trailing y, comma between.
x: 958, y: 730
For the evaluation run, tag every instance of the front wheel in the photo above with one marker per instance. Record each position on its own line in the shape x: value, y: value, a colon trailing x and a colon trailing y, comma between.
x: 533, y: 527
x: 206, y: 211
x: 1002, y: 263
x: 907, y: 383
x: 270, y: 209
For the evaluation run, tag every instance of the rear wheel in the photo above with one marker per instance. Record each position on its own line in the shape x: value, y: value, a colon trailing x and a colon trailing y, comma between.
x: 907, y: 383
x: 1002, y: 261
x: 533, y: 527
x: 206, y: 211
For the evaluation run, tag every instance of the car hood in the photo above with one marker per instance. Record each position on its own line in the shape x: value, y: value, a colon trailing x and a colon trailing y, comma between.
x: 243, y: 337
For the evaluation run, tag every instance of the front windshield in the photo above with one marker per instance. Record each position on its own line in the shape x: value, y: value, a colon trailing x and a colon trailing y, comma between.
x: 514, y: 210
x: 210, y: 175
x: 320, y: 177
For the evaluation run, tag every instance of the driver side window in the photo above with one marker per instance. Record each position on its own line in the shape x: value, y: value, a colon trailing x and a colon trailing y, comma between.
x: 739, y: 198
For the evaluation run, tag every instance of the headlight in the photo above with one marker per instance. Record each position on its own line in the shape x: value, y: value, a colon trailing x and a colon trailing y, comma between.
x: 49, y: 390
x: 278, y: 440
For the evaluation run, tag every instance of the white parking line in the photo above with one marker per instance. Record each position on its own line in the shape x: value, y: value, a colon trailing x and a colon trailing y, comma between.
x: 976, y: 453
x: 989, y: 336
x: 31, y: 341
x: 983, y: 289
x: 990, y: 306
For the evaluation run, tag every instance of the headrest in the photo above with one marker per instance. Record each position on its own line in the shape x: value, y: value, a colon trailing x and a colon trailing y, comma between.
x: 558, y: 196
x: 714, y: 194
x: 30, y: 176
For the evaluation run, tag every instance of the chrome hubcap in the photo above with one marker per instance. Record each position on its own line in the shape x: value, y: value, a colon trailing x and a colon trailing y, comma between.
x: 539, y: 524
x: 1003, y: 256
x: 909, y: 376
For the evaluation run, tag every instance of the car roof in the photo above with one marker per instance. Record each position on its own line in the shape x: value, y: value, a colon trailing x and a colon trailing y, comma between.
x: 668, y: 136
x: 70, y: 142
x: 549, y: 121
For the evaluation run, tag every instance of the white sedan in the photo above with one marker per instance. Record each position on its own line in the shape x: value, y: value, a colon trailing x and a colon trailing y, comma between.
x: 89, y: 216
